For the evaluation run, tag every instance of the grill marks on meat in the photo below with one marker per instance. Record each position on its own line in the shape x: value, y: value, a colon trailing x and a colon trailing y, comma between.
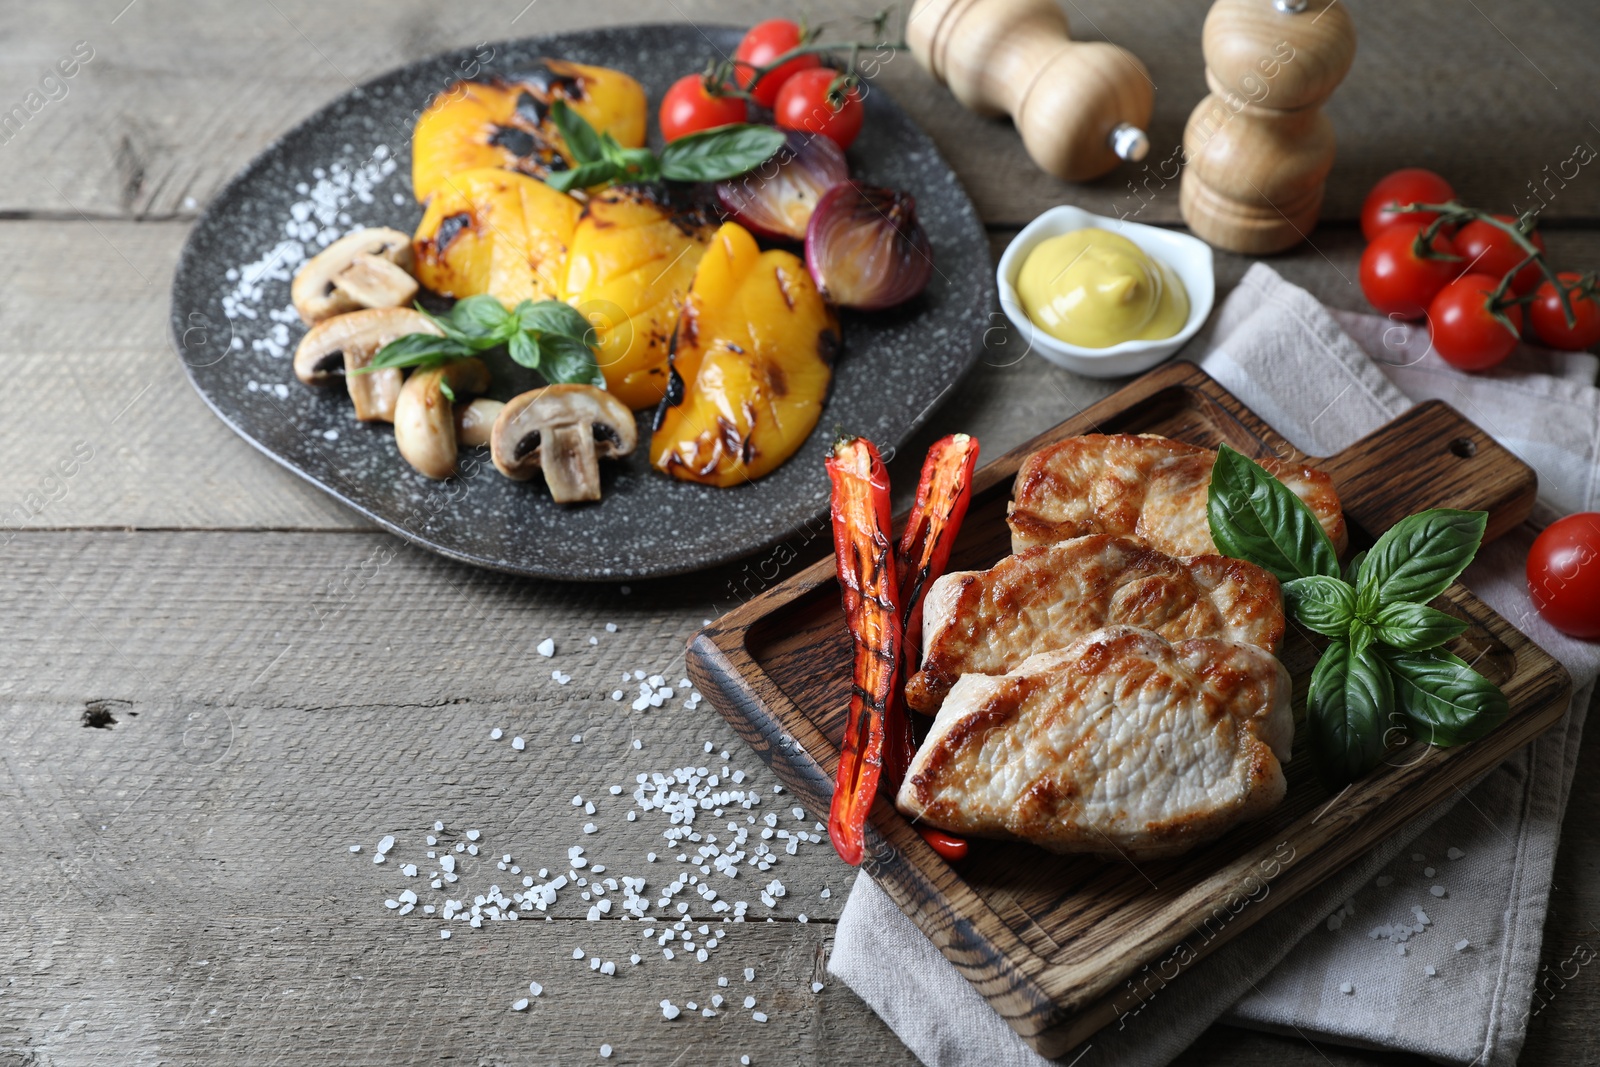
x: 989, y: 622
x: 1118, y: 743
x: 1143, y: 485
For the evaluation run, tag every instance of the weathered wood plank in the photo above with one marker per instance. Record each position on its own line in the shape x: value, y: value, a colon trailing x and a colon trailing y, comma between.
x: 165, y: 112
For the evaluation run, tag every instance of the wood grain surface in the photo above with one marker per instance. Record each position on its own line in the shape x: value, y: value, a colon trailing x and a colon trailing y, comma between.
x: 175, y: 573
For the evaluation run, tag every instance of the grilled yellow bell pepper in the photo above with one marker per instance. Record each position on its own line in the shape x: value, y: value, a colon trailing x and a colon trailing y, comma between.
x: 507, y: 124
x: 751, y: 362
x: 632, y: 257
x: 497, y: 232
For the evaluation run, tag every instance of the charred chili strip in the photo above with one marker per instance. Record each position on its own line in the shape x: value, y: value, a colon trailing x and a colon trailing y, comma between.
x: 869, y: 588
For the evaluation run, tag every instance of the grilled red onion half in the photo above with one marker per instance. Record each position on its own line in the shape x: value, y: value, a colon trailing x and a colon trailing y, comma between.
x: 776, y: 199
x: 865, y: 248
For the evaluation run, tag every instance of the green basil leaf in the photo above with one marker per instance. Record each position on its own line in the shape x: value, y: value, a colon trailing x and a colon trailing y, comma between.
x: 1415, y: 627
x: 582, y: 140
x: 482, y: 316
x: 639, y: 164
x: 1255, y: 517
x: 724, y: 152
x: 568, y: 360
x: 1347, y: 708
x: 524, y: 350
x: 444, y: 388
x: 582, y: 176
x: 554, y: 316
x: 1444, y: 699
x: 1326, y: 605
x: 1352, y: 570
x: 1361, y: 635
x: 416, y: 350
x: 1419, y: 557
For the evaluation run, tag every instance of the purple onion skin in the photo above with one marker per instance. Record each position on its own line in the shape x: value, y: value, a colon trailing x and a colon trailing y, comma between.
x: 776, y: 199
x: 865, y: 248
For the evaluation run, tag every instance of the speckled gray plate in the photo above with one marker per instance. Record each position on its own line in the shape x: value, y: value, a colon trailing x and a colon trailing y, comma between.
x: 895, y: 366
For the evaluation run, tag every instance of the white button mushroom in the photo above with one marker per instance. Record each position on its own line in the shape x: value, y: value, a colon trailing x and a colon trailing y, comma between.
x: 563, y: 430
x: 339, y: 347
x: 365, y: 269
x: 475, y: 421
x: 424, y: 419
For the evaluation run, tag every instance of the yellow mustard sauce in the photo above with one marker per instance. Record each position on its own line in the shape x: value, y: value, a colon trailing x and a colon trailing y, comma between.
x: 1094, y: 288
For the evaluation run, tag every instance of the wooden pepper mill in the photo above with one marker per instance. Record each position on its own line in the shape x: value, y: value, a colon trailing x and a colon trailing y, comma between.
x: 1258, y: 148
x: 1081, y: 106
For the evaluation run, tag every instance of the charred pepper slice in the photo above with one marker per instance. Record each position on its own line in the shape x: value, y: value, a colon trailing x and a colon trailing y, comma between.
x: 870, y: 591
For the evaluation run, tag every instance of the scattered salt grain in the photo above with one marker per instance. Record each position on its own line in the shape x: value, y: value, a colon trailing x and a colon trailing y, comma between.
x: 546, y: 648
x: 749, y: 974
x: 1461, y: 946
x: 1347, y: 989
x: 473, y: 835
x: 1429, y: 971
x: 1437, y: 890
x: 758, y: 1016
x: 534, y: 988
x: 816, y: 987
x: 577, y: 953
x: 1427, y: 872
x: 1455, y: 853
x: 669, y: 1010
x: 496, y: 734
x: 444, y: 935
x: 577, y: 739
x: 518, y: 743
x: 605, y: 1052
x: 520, y: 1005
x: 611, y: 627
x: 355, y: 848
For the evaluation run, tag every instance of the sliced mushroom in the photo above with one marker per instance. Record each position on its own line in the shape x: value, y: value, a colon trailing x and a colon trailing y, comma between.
x: 564, y: 430
x: 338, y: 347
x: 365, y: 269
x: 424, y: 419
x: 474, y: 422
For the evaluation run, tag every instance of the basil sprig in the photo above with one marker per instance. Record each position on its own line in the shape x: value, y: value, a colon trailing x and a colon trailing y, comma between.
x: 548, y: 336
x: 707, y: 156
x: 1385, y: 665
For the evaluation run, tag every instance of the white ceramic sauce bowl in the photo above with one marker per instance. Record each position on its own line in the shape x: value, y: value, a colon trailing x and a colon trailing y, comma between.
x: 1189, y: 257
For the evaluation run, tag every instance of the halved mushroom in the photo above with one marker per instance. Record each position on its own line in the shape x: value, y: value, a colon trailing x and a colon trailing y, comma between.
x: 564, y: 430
x: 338, y: 347
x: 475, y: 421
x: 365, y: 269
x: 424, y: 416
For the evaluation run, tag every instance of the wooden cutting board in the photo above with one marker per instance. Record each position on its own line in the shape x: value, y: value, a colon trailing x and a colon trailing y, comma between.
x: 1063, y: 945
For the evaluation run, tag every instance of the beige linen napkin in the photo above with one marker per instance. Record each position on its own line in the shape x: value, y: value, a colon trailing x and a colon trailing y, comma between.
x: 1324, y: 380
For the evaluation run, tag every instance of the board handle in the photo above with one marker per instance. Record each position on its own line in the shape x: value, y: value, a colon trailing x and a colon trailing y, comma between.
x: 1431, y: 453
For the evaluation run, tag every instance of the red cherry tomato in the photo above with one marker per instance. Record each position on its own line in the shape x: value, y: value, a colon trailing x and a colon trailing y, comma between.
x: 765, y: 42
x: 688, y: 108
x: 804, y: 104
x: 1413, y: 185
x: 1486, y: 249
x: 953, y: 849
x: 1550, y: 322
x: 1396, y: 280
x: 1564, y: 575
x: 1465, y: 333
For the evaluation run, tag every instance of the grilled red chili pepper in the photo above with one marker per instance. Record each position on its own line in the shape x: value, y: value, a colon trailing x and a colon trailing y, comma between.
x: 953, y: 849
x: 871, y: 594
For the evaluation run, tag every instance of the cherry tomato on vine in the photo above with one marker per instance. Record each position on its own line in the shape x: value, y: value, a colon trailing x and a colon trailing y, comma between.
x: 1396, y: 280
x: 1487, y: 249
x: 1550, y: 322
x: 1466, y: 333
x: 953, y: 849
x: 1413, y: 185
x: 1564, y: 574
x: 765, y: 42
x: 804, y: 104
x: 688, y: 108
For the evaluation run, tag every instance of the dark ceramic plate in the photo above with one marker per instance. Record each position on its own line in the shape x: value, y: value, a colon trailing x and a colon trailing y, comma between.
x: 231, y: 330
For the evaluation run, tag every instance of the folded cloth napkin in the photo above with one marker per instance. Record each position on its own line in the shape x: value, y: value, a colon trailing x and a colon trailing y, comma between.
x: 1350, y: 961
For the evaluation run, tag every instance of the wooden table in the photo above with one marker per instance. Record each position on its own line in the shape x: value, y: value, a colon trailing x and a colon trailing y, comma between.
x: 284, y: 681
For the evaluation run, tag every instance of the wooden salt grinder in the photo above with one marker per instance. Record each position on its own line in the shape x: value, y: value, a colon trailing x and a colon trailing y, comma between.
x: 1258, y: 148
x: 1081, y: 106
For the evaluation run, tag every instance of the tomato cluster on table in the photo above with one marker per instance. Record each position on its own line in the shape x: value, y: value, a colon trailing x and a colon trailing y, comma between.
x: 1476, y: 278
